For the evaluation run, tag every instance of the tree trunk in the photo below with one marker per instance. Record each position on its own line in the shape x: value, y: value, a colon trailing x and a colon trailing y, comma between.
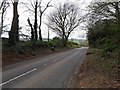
x: 48, y: 35
x: 32, y: 30
x: 64, y: 39
x: 1, y: 26
x: 40, y: 35
x: 35, y: 23
x: 14, y: 33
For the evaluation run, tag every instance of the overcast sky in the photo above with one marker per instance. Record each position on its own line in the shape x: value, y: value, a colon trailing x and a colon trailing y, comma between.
x: 23, y: 16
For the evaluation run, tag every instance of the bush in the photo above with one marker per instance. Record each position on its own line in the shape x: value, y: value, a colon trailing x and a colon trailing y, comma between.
x: 24, y: 47
x: 107, y: 49
x: 56, y: 42
x: 27, y: 47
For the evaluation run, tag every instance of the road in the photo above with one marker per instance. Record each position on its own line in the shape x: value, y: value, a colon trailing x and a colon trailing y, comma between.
x: 51, y: 71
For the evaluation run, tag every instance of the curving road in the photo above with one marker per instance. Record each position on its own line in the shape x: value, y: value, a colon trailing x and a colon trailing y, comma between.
x: 51, y: 71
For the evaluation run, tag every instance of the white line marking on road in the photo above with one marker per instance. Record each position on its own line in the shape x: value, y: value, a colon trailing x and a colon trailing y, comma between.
x: 18, y: 77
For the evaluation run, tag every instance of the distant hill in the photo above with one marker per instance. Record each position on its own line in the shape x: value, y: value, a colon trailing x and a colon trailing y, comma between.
x: 80, y: 41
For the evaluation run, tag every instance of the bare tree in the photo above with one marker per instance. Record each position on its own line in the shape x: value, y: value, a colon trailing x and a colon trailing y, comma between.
x: 33, y: 7
x: 41, y: 12
x: 14, y: 32
x: 64, y: 20
x: 37, y: 8
x: 32, y: 30
x: 3, y: 8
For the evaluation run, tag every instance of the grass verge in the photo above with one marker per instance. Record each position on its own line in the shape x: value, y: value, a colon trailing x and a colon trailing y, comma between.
x: 97, y: 71
x: 14, y: 57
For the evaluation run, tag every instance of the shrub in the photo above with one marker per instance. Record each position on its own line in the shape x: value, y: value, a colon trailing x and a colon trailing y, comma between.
x: 27, y: 47
x: 56, y: 42
x: 107, y: 49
